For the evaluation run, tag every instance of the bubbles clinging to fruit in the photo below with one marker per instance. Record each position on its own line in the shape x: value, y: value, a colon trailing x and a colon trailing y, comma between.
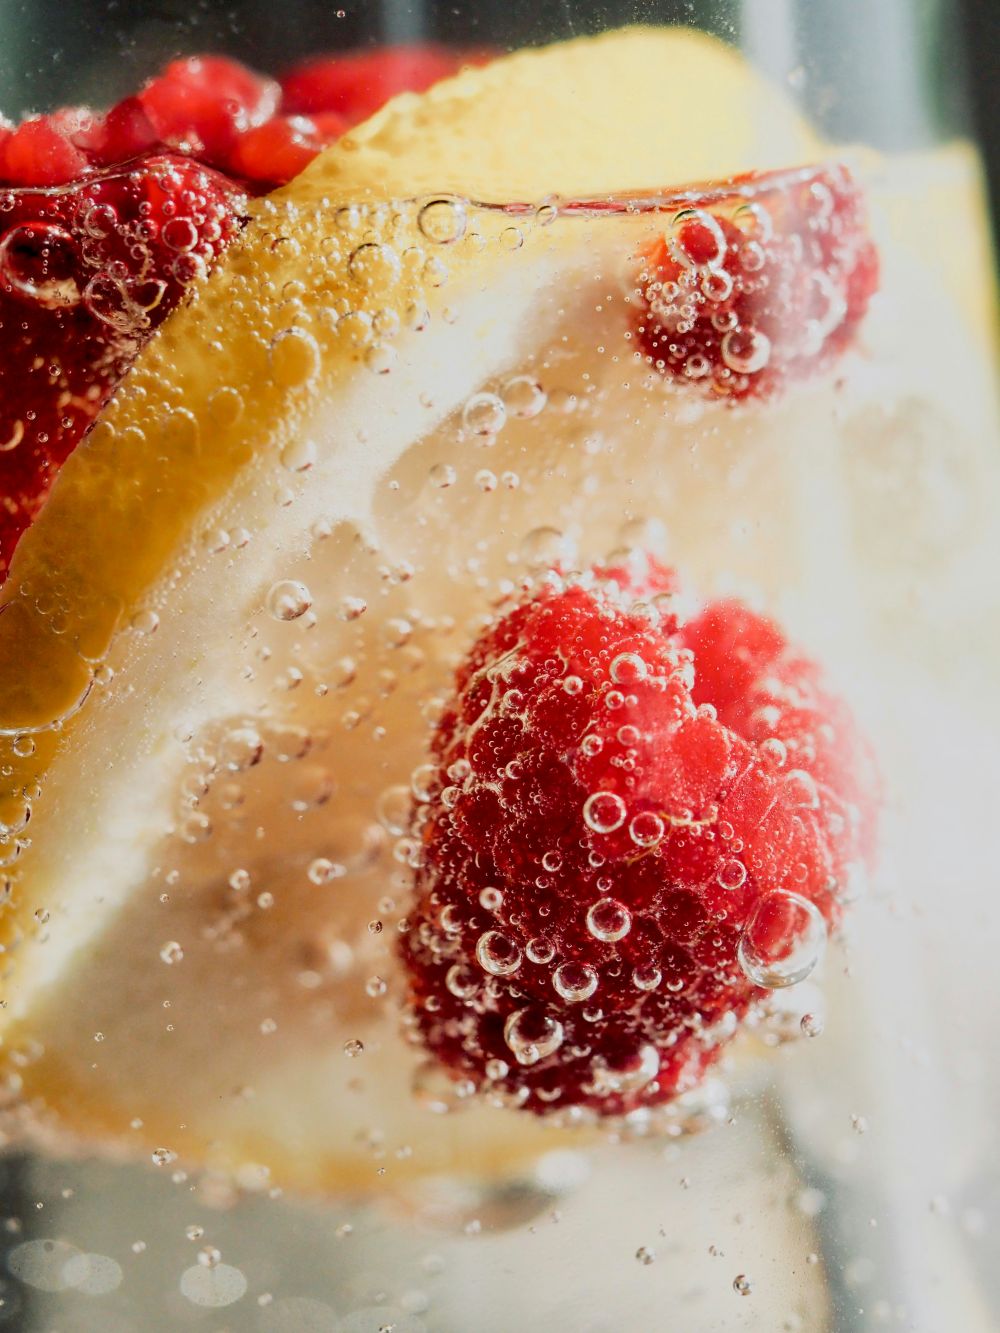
x: 782, y: 940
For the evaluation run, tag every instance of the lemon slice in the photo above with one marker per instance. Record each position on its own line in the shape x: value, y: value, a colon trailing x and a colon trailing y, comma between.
x: 221, y: 641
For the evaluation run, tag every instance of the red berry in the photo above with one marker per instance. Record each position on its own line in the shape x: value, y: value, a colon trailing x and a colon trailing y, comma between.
x: 86, y: 274
x: 357, y: 84
x: 634, y: 828
x: 202, y: 104
x: 272, y: 153
x: 39, y: 152
x: 758, y: 283
x: 125, y: 132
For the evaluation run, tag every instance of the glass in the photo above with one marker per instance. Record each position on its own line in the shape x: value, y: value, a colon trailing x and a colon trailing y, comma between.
x: 843, y: 1180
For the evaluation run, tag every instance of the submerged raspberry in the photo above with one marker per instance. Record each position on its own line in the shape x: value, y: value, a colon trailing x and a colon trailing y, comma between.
x: 758, y: 283
x: 356, y: 84
x: 86, y: 273
x: 634, y: 825
x: 203, y: 104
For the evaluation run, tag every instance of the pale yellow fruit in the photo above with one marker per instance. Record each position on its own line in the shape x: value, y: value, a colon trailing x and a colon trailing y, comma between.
x: 272, y: 431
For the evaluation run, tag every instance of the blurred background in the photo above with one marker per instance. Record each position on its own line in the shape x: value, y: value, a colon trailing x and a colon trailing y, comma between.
x: 982, y: 23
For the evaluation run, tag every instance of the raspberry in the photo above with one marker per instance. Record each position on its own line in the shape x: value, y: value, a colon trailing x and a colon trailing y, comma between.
x: 758, y: 283
x: 635, y: 827
x: 272, y: 153
x: 357, y: 84
x: 202, y: 104
x: 86, y: 274
x: 125, y: 132
x: 40, y: 153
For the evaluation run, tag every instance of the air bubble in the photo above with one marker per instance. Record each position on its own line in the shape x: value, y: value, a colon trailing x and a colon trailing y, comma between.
x: 716, y: 285
x: 163, y: 1156
x: 393, y: 809
x: 353, y: 1048
x: 171, y: 952
x: 484, y: 414
x: 696, y: 240
x: 626, y: 1074
x: 646, y: 977
x: 801, y: 789
x: 731, y: 875
x: 628, y: 669
x: 460, y: 982
x: 532, y: 1034
x: 524, y: 397
x: 145, y: 622
x: 396, y: 631
x: 609, y: 920
x: 435, y: 274
x: 298, y: 456
x: 490, y: 899
x: 295, y: 358
x: 497, y: 954
x: 544, y: 548
x: 540, y: 950
x: 746, y: 350
x: 374, y: 266
x: 742, y: 1285
x: 380, y: 358
x: 443, y: 475
x: 604, y: 811
x: 774, y: 751
x: 288, y: 599
x: 574, y: 982
x: 37, y: 262
x: 240, y: 749
x: 324, y: 871
x: 782, y: 941
x: 811, y: 1025
x: 13, y: 439
x: 423, y: 780
x: 442, y: 221
x: 646, y: 829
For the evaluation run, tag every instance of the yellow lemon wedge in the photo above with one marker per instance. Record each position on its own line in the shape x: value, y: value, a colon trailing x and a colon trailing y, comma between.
x: 223, y: 641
